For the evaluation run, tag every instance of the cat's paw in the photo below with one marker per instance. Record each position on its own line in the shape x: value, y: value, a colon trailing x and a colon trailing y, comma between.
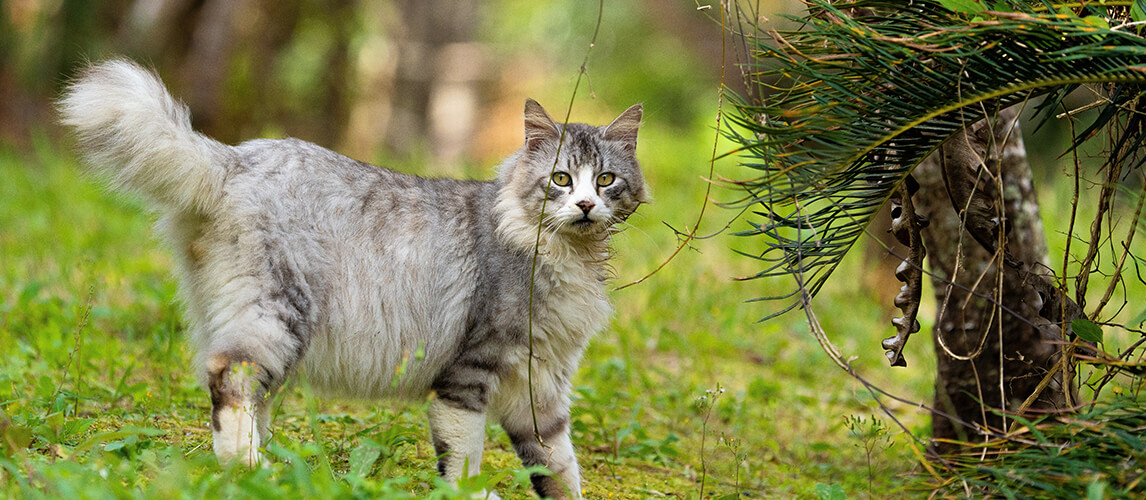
x: 249, y: 457
x: 237, y: 437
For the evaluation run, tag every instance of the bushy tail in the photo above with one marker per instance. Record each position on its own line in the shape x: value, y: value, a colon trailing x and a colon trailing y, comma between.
x: 136, y: 135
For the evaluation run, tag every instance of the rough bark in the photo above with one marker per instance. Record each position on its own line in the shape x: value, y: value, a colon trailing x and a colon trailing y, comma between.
x: 988, y: 342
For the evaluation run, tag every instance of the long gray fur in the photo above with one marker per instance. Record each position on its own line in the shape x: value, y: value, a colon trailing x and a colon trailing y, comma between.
x: 373, y: 282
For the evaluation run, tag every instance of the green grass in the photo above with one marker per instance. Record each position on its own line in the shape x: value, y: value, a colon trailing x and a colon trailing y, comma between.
x: 684, y: 392
x: 1099, y: 452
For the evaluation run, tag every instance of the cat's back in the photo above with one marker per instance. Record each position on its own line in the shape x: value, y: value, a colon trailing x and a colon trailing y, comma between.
x: 295, y: 168
x: 301, y: 184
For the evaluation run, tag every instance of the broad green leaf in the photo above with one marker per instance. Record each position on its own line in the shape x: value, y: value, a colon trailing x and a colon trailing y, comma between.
x: 13, y: 437
x: 964, y: 6
x: 830, y: 492
x: 1086, y: 330
x: 77, y: 426
x: 1138, y: 320
x: 1096, y: 490
x: 1097, y: 22
x: 114, y: 445
x: 362, y: 459
x: 1138, y: 11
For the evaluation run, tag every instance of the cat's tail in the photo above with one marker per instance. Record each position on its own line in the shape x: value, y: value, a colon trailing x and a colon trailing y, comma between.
x: 137, y: 136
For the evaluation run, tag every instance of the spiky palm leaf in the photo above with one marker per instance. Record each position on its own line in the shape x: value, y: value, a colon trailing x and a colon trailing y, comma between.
x: 864, y: 91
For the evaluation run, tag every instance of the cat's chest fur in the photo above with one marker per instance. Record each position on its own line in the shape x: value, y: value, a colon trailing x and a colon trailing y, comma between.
x: 574, y: 309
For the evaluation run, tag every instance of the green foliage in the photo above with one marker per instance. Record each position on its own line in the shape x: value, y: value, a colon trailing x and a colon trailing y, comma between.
x: 963, y: 6
x: 855, y: 100
x: 1138, y: 320
x: 1098, y: 454
x: 1138, y: 11
x: 830, y: 492
x: 1086, y: 330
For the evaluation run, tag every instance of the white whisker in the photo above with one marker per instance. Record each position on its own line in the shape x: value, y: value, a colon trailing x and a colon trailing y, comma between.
x: 626, y: 225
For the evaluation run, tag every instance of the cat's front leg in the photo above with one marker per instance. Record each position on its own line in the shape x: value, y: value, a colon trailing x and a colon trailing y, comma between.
x: 459, y: 436
x: 547, y: 443
x: 457, y: 426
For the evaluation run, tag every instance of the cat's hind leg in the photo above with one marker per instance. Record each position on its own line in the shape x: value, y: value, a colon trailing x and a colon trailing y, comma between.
x: 244, y: 368
x: 238, y: 398
x: 459, y: 437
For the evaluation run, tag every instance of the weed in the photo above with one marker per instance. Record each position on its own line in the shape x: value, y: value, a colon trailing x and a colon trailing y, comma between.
x: 830, y: 492
x: 740, y: 457
x: 872, y: 436
x: 705, y: 404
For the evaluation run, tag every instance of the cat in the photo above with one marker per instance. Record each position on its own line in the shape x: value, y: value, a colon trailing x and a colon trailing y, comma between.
x: 374, y: 283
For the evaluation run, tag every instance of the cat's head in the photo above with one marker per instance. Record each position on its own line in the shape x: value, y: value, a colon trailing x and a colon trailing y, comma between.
x: 587, y: 178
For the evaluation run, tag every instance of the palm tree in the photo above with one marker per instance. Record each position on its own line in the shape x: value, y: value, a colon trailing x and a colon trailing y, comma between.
x: 914, y: 104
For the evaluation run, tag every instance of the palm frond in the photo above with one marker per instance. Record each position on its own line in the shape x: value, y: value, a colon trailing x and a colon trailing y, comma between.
x: 864, y: 91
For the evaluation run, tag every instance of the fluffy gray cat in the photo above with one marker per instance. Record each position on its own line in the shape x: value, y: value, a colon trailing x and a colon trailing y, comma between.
x: 372, y: 282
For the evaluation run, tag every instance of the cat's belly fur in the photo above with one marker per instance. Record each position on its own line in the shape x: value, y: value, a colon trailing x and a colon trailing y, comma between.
x: 372, y: 365
x: 391, y: 322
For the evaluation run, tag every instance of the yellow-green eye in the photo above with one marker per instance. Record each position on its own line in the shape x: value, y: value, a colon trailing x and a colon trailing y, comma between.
x: 605, y: 179
x: 562, y: 179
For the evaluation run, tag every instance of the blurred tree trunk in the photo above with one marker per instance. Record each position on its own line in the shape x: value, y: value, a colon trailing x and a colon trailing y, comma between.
x: 987, y: 344
x: 434, y: 97
x: 339, y: 76
x: 272, y: 38
x: 206, y: 68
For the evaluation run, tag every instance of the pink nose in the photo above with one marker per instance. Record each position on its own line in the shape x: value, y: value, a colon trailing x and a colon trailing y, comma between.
x: 585, y: 206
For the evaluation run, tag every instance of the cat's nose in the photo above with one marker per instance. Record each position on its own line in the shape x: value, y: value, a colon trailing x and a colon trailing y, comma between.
x: 585, y: 206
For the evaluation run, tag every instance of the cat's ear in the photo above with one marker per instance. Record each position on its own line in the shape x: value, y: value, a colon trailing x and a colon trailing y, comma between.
x: 539, y: 127
x: 624, y: 128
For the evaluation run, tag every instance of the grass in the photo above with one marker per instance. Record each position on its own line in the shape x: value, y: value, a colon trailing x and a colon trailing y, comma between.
x: 1098, y: 453
x: 685, y: 396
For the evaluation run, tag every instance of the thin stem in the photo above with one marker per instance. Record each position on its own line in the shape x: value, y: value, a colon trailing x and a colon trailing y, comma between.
x: 541, y: 219
x: 711, y: 162
x: 1117, y: 276
x: 1105, y: 196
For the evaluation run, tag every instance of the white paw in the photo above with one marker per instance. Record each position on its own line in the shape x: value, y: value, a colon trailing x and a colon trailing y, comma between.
x: 238, y: 436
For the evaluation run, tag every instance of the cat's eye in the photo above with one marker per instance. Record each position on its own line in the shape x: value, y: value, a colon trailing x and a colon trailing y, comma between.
x: 562, y: 179
x: 605, y: 179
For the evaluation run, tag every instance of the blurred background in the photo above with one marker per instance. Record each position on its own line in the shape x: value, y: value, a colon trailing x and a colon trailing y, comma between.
x: 439, y: 81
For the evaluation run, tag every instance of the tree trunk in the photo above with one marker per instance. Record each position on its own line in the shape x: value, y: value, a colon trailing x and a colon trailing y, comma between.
x: 988, y: 344
x: 435, y: 96
x: 207, y: 64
